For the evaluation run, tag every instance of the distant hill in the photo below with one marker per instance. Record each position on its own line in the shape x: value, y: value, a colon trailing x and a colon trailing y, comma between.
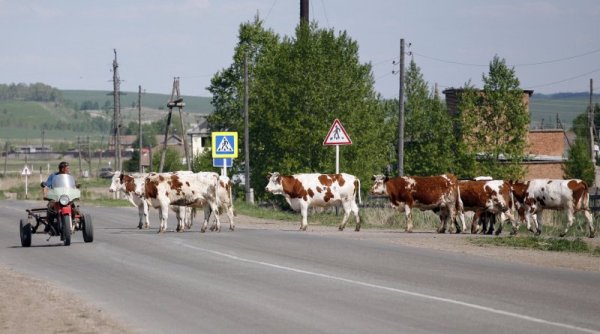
x: 544, y: 109
x: 193, y: 104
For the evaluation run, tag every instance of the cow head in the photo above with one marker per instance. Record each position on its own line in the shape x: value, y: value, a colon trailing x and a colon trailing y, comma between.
x: 115, y: 183
x: 378, y: 187
x: 274, y: 186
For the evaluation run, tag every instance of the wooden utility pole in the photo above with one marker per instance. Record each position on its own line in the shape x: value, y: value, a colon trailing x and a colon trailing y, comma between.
x: 249, y: 192
x: 591, y: 121
x: 117, y: 113
x: 79, y: 155
x: 401, y: 112
x: 140, y: 167
x: 304, y: 11
x: 175, y: 101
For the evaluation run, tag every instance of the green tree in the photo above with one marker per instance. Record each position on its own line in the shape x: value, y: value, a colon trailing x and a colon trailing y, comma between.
x: 298, y: 87
x: 494, y: 124
x: 427, y: 152
x: 578, y: 164
x: 173, y: 160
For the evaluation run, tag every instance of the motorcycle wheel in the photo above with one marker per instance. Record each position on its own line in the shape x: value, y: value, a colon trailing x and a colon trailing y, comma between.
x: 88, y: 228
x: 25, y: 231
x: 66, y: 229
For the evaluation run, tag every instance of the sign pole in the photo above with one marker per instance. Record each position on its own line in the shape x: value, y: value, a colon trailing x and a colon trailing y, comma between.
x: 26, y: 183
x: 337, y: 159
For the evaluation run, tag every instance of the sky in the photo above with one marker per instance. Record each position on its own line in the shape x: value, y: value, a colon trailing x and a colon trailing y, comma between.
x: 553, y: 45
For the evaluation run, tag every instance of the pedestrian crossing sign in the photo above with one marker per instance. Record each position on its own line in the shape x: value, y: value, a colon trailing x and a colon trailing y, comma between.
x: 337, y: 135
x: 224, y: 145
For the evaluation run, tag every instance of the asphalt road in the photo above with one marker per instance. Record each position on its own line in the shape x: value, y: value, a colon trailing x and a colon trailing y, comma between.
x: 284, y: 281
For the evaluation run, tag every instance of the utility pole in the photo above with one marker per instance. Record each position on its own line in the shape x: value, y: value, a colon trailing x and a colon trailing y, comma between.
x: 140, y: 167
x: 175, y: 101
x: 304, y: 11
x: 117, y: 113
x: 249, y: 192
x: 79, y: 155
x: 591, y: 121
x: 401, y: 112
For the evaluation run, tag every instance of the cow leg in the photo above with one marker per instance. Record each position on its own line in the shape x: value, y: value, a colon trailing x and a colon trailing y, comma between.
x: 141, y: 215
x: 230, y: 215
x: 304, y: 213
x: 163, y: 212
x: 537, y: 218
x: 460, y: 216
x: 180, y: 215
x: 475, y: 224
x: 443, y: 222
x: 503, y: 218
x: 354, y: 208
x: 347, y: 210
x: 146, y: 220
x: 408, y: 218
x: 215, y: 208
x: 490, y: 221
x: 207, y: 213
x: 570, y: 221
x: 190, y: 221
x: 589, y: 218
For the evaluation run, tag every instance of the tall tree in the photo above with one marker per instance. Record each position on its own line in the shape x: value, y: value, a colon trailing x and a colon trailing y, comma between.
x: 427, y: 152
x: 298, y: 87
x: 494, y: 123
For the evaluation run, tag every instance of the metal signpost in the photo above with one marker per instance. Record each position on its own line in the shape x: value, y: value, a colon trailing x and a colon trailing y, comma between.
x: 26, y: 172
x: 337, y: 136
x: 224, y: 149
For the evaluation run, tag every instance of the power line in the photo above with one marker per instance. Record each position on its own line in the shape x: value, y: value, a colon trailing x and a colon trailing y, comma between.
x: 516, y: 65
x: 564, y: 80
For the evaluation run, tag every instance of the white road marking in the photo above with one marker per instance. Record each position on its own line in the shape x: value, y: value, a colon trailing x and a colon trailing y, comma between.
x: 400, y: 291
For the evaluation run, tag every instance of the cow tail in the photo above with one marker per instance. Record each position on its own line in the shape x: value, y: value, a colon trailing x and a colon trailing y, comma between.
x: 358, y: 190
x: 586, y: 198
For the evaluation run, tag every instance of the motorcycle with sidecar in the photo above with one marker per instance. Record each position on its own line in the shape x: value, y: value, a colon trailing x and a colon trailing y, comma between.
x: 62, y: 216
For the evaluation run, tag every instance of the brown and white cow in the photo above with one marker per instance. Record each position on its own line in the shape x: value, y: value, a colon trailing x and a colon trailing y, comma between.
x: 437, y: 193
x: 534, y: 196
x: 183, y: 189
x: 132, y: 186
x: 224, y: 194
x: 488, y: 199
x: 302, y: 191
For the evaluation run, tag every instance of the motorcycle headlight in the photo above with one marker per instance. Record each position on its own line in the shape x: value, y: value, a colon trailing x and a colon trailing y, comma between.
x: 64, y: 200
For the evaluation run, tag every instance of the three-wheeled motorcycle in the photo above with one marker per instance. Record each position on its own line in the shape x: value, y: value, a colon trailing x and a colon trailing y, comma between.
x: 62, y: 216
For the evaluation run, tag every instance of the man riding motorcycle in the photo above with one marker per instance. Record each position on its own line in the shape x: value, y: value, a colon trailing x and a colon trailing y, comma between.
x: 52, y: 212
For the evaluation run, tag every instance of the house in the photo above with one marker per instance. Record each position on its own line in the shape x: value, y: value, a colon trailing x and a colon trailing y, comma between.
x: 200, y: 136
x: 546, y: 148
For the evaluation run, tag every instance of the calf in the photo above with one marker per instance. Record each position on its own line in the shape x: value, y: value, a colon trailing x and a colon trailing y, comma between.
x: 302, y: 191
x: 437, y: 193
x: 183, y: 189
x: 488, y: 199
x: 224, y: 194
x: 532, y: 197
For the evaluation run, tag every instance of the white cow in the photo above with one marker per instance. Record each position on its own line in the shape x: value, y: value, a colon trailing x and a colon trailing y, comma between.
x: 302, y: 191
x: 533, y: 196
x: 224, y: 194
x: 132, y: 185
x: 183, y: 189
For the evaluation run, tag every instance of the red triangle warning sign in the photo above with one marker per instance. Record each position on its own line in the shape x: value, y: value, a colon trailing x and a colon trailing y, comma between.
x: 337, y: 135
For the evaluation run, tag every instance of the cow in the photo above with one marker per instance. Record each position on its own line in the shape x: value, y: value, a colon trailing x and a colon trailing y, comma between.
x: 534, y: 196
x: 437, y: 193
x: 183, y: 189
x: 303, y: 191
x: 132, y: 185
x: 224, y: 194
x: 488, y: 199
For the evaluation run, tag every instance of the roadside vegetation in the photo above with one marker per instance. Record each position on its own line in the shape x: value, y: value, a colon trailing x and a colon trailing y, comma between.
x: 552, y: 244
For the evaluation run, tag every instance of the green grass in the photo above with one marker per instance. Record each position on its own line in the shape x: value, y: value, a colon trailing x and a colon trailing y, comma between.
x: 539, y: 243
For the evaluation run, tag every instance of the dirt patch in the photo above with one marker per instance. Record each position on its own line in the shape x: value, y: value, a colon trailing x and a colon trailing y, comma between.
x: 27, y: 304
x: 32, y: 306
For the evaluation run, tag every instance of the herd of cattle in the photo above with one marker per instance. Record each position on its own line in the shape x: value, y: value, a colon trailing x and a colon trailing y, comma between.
x: 183, y: 192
